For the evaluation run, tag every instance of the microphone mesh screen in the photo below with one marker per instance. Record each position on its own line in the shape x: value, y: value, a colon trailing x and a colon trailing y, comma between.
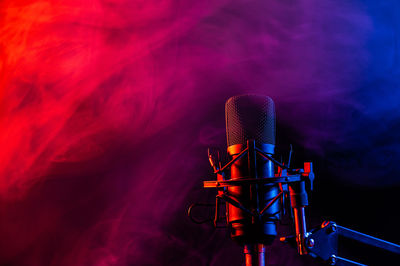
x: 250, y: 117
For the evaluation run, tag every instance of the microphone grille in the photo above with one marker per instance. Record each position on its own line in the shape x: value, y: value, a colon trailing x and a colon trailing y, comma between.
x: 250, y: 117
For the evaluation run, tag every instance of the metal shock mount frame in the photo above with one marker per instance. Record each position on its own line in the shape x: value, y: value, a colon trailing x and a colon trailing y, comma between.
x: 285, y: 176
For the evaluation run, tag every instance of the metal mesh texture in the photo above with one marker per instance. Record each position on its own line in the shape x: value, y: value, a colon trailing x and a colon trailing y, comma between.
x: 250, y: 117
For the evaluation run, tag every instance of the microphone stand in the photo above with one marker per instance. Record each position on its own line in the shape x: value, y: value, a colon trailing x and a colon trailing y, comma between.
x: 319, y: 242
x: 254, y: 254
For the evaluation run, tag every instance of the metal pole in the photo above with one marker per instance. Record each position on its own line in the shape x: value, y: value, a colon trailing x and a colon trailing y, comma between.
x: 254, y: 254
x: 299, y: 199
x: 301, y: 229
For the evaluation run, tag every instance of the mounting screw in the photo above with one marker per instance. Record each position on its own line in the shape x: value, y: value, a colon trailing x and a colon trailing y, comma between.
x: 310, y: 243
x: 332, y: 228
x: 332, y: 260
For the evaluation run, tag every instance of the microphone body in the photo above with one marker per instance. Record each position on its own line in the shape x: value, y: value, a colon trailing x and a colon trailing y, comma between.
x: 250, y: 123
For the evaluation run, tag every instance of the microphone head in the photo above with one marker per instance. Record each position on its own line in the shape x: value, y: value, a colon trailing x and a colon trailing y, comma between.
x: 250, y: 117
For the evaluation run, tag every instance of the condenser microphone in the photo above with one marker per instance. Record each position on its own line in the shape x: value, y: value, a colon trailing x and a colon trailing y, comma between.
x: 250, y: 120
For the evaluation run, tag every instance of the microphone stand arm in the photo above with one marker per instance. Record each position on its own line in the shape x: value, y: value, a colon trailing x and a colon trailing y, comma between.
x: 323, y: 243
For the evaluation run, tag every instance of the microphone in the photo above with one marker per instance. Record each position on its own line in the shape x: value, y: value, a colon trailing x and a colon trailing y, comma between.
x: 250, y: 123
x: 249, y: 184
